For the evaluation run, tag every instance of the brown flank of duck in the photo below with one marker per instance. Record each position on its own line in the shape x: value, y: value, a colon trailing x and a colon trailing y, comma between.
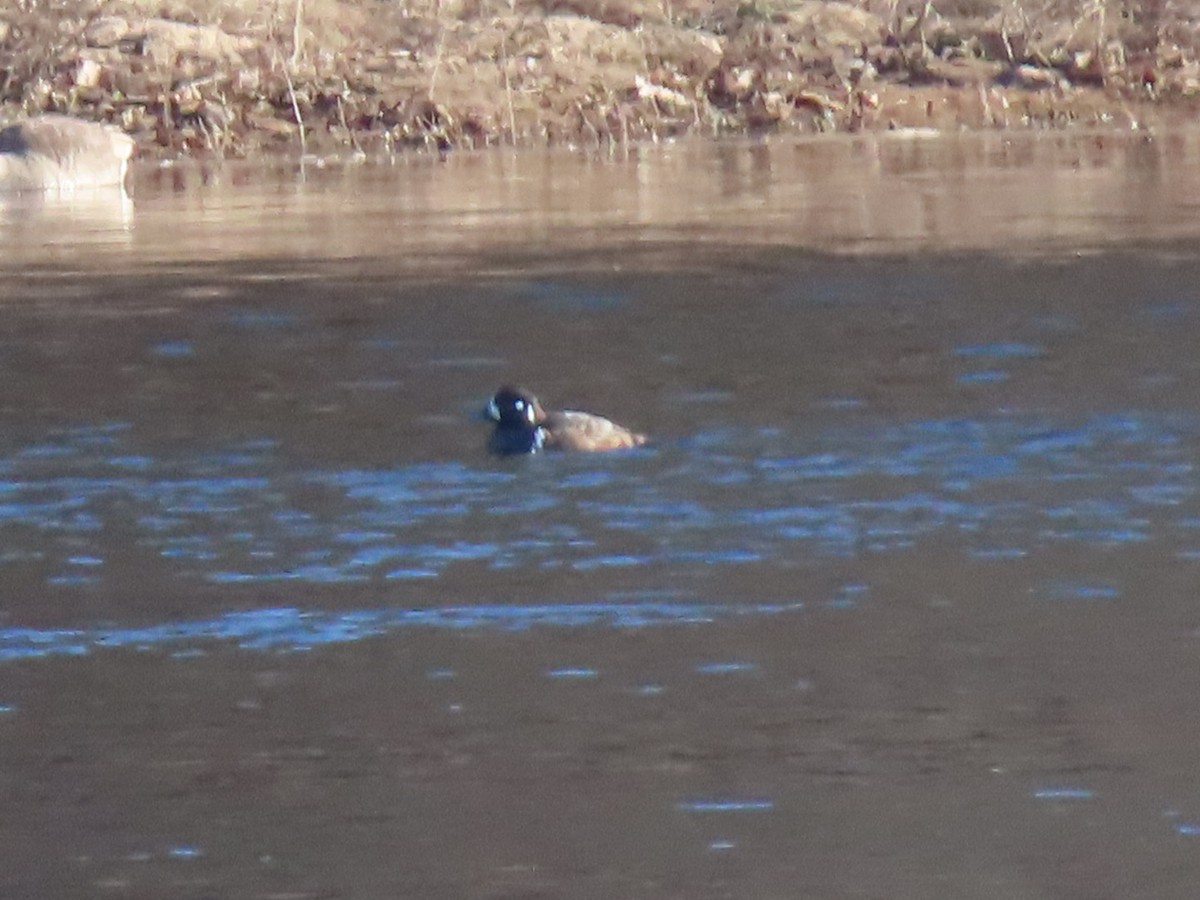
x: 524, y: 426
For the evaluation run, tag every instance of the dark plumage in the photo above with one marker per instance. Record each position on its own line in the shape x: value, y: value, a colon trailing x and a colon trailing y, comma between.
x: 523, y: 426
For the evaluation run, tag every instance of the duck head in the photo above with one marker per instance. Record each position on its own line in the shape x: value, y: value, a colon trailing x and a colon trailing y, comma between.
x: 518, y: 417
x: 512, y: 407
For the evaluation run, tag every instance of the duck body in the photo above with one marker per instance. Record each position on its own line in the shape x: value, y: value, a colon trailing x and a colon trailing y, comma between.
x: 523, y: 426
x: 56, y: 152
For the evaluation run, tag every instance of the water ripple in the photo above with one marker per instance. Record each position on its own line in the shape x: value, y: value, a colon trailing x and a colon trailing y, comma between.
x: 291, y: 629
x: 1005, y: 486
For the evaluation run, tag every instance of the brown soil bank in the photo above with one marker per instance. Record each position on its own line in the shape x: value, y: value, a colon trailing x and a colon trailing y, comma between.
x: 239, y: 76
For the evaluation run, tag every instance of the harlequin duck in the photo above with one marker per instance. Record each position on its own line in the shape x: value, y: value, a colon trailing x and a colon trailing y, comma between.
x: 522, y: 426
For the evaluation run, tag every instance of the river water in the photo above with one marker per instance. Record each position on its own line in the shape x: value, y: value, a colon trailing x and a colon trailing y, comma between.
x: 900, y: 601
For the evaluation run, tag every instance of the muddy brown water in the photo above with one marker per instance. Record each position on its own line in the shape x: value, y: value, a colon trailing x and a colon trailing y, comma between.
x: 901, y: 602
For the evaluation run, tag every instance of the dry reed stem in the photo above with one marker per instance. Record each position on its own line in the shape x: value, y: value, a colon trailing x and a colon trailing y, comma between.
x: 512, y: 118
x: 295, y: 105
x: 297, y: 32
x: 342, y: 115
x: 437, y: 65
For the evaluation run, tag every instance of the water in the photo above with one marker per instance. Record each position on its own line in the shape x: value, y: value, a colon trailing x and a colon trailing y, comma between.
x: 899, y: 601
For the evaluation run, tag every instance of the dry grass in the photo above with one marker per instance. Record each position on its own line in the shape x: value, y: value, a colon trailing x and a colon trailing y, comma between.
x: 238, y: 76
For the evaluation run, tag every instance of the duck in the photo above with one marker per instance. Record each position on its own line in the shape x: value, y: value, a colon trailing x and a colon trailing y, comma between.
x: 523, y: 426
x: 57, y: 152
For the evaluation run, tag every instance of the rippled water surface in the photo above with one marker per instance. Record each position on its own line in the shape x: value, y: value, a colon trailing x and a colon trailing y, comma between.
x: 900, y: 600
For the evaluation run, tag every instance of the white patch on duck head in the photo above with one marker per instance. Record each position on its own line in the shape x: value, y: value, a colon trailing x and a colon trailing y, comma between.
x: 529, y: 411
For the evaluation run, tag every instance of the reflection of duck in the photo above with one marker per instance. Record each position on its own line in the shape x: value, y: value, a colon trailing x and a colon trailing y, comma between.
x: 54, y: 152
x: 522, y: 426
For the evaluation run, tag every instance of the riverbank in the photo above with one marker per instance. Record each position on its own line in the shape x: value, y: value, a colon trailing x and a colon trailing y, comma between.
x: 236, y: 77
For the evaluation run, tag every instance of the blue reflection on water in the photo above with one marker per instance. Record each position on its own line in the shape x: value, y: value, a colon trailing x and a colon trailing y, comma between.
x: 573, y: 298
x: 726, y: 668
x: 999, y: 553
x: 1006, y: 486
x: 295, y: 629
x: 576, y: 673
x: 72, y: 580
x: 986, y: 376
x: 1001, y: 350
x: 259, y: 320
x: 174, y: 349
x: 1069, y: 590
x: 711, y: 805
x: 1063, y: 793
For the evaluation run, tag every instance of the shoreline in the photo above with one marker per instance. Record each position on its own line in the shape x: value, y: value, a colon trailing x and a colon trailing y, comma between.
x: 229, y: 79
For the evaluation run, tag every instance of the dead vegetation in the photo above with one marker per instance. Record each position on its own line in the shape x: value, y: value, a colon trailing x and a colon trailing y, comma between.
x: 239, y: 76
